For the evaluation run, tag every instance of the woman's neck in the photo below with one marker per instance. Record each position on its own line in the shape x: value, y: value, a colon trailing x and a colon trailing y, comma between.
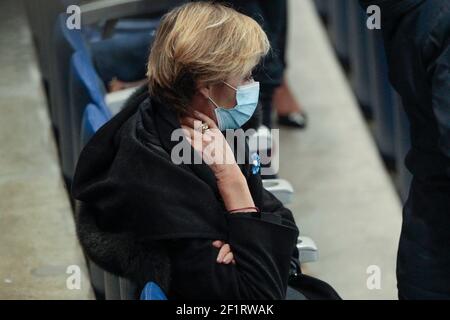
x: 202, y: 105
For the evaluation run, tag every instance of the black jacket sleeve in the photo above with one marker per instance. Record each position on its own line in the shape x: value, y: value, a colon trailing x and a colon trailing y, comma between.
x: 262, y: 246
x: 437, y: 52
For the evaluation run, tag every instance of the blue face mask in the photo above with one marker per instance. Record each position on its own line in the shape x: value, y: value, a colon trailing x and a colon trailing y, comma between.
x: 247, y: 99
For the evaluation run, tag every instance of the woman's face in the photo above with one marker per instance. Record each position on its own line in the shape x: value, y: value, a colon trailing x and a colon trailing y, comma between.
x: 224, y: 95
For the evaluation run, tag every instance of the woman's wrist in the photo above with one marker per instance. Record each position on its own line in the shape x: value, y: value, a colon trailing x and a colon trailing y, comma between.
x: 245, y: 210
x: 234, y: 190
x: 229, y: 173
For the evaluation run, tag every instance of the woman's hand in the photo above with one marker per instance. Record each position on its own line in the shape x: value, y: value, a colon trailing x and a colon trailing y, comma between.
x: 215, y: 151
x: 210, y: 144
x: 225, y: 255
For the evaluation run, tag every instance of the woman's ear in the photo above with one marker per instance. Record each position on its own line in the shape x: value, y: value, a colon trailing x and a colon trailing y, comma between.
x: 205, y: 91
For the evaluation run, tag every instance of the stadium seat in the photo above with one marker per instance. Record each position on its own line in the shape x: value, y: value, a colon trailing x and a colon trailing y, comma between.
x: 93, y: 118
x: 85, y: 87
x: 152, y: 291
x: 96, y: 276
x: 128, y: 290
x: 65, y: 43
x: 41, y: 18
x: 112, y: 286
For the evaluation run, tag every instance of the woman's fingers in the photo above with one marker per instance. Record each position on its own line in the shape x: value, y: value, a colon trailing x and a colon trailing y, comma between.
x: 196, y: 139
x: 188, y: 131
x: 203, y: 117
x: 192, y: 135
x: 225, y: 255
x: 195, y: 124
x: 223, y: 252
x: 228, y: 258
x: 218, y: 244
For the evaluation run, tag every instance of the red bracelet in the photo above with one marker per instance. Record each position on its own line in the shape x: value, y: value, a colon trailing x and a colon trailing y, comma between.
x: 246, y: 208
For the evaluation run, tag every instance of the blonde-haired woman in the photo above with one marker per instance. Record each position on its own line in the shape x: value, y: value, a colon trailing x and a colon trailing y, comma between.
x: 202, y: 230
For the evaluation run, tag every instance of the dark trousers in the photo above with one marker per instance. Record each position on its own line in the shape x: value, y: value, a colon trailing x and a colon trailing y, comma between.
x: 272, y: 16
x: 423, y: 263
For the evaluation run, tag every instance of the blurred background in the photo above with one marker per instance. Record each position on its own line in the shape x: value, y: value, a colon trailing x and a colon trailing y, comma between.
x: 59, y: 85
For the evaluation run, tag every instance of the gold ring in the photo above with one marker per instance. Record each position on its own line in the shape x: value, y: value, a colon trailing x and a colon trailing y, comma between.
x: 204, y: 127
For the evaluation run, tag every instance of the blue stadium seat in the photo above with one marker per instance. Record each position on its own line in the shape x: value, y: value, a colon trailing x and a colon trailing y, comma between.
x: 93, y: 118
x: 41, y: 18
x: 383, y: 98
x: 122, y: 56
x: 132, y: 26
x: 65, y: 43
x: 85, y: 87
x: 152, y: 292
x: 359, y: 64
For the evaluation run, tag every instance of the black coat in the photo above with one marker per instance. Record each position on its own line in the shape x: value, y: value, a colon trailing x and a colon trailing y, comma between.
x: 417, y: 42
x: 145, y: 218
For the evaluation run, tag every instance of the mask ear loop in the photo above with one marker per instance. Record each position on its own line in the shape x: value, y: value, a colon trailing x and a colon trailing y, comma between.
x: 213, y: 102
x: 229, y: 85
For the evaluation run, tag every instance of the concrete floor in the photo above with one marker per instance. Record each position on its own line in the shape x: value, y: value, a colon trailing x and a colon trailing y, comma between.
x: 37, y: 236
x: 344, y: 198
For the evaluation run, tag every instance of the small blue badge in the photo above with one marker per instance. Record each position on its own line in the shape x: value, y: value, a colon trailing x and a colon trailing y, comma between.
x: 256, y: 163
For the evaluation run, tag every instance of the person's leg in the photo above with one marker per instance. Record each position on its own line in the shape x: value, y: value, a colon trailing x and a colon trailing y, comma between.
x: 423, y: 263
x: 266, y: 97
x: 271, y: 16
x: 275, y: 14
x: 289, y: 111
x: 131, y: 48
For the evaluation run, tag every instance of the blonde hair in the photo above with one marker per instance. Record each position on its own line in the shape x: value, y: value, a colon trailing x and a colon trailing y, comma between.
x: 202, y: 42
